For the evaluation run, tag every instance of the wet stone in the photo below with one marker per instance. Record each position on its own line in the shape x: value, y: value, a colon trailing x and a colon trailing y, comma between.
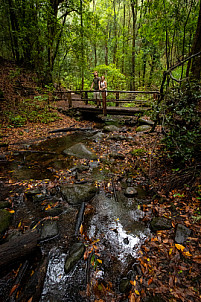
x: 143, y: 128
x: 118, y: 137
x: 130, y: 192
x: 75, y: 254
x: 5, y: 220
x: 125, y: 285
x: 32, y: 193
x: 110, y: 128
x: 98, y: 137
x: 144, y: 121
x: 49, y: 230
x: 75, y: 194
x: 80, y: 150
x: 2, y: 156
x: 126, y: 241
x: 161, y: 223
x: 4, y: 204
x: 54, y: 212
x: 182, y: 233
x: 39, y: 198
x: 116, y: 155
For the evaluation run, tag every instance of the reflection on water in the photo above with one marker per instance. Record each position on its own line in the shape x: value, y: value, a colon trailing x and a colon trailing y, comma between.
x: 43, y: 158
x: 118, y: 223
x: 58, y: 285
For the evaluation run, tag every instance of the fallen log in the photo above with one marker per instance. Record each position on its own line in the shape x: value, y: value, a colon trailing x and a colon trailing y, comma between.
x: 34, y: 151
x: 33, y: 289
x: 18, y: 248
x: 18, y: 280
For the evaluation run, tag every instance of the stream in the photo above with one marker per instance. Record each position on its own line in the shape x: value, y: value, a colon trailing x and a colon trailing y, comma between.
x: 110, y: 228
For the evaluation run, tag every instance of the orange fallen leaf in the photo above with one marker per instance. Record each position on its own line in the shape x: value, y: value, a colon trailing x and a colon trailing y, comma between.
x: 99, y: 260
x: 13, y: 289
x: 180, y: 247
x: 187, y: 254
x: 81, y: 229
x: 150, y: 281
x: 133, y: 282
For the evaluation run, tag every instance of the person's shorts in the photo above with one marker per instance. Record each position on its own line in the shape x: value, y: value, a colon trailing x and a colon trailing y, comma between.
x: 96, y: 95
x: 106, y: 92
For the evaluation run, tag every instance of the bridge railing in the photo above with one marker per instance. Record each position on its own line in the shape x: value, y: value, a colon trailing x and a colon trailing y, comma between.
x: 69, y: 97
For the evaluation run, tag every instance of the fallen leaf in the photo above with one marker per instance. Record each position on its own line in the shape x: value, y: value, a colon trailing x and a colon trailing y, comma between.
x: 13, y: 289
x: 150, y: 281
x: 187, y: 254
x: 180, y: 247
x: 81, y: 229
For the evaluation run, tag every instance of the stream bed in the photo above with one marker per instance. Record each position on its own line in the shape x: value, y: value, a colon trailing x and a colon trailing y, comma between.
x: 110, y: 227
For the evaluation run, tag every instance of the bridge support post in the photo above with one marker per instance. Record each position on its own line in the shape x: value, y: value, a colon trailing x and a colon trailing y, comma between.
x: 104, y: 103
x: 69, y: 99
x: 117, y: 98
x: 86, y: 98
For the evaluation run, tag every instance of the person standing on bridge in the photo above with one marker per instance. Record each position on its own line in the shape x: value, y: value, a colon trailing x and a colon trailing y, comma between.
x: 103, y: 84
x: 95, y: 84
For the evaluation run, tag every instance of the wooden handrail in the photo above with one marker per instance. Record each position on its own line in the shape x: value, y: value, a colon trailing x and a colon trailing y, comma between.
x: 113, y: 91
x: 104, y: 97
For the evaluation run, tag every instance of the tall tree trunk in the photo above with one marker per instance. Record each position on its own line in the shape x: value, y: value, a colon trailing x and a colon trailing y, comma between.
x: 123, y: 46
x: 195, y: 64
x: 82, y: 45
x: 134, y: 18
x: 144, y: 69
x: 14, y: 31
x: 153, y: 62
x: 106, y: 46
x: 166, y: 37
x: 115, y: 33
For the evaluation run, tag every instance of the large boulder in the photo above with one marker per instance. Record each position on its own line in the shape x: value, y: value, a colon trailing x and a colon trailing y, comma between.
x: 80, y: 150
x: 75, y: 194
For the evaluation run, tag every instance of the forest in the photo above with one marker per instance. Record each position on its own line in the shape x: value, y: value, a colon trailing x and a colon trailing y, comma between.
x: 100, y: 205
x: 131, y: 42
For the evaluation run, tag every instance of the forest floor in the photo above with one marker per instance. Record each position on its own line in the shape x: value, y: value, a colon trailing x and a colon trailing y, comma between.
x: 168, y: 270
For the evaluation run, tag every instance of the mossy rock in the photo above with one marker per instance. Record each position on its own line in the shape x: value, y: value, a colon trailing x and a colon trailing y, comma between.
x: 80, y: 150
x: 5, y: 220
x: 143, y: 128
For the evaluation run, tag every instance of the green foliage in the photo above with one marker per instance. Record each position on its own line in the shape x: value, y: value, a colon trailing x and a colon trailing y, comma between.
x: 115, y: 79
x: 138, y: 152
x: 14, y: 73
x: 34, y: 111
x: 18, y: 120
x: 182, y: 122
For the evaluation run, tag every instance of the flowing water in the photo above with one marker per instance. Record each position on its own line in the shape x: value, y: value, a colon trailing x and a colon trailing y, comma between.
x: 115, y: 225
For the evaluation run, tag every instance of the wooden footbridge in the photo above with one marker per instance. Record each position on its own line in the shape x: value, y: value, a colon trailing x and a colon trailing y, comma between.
x: 113, y: 102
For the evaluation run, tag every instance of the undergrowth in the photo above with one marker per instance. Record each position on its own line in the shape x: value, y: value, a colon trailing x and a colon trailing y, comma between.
x: 35, y: 110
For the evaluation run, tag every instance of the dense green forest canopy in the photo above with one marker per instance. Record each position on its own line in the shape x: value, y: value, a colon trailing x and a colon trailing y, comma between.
x: 131, y: 42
